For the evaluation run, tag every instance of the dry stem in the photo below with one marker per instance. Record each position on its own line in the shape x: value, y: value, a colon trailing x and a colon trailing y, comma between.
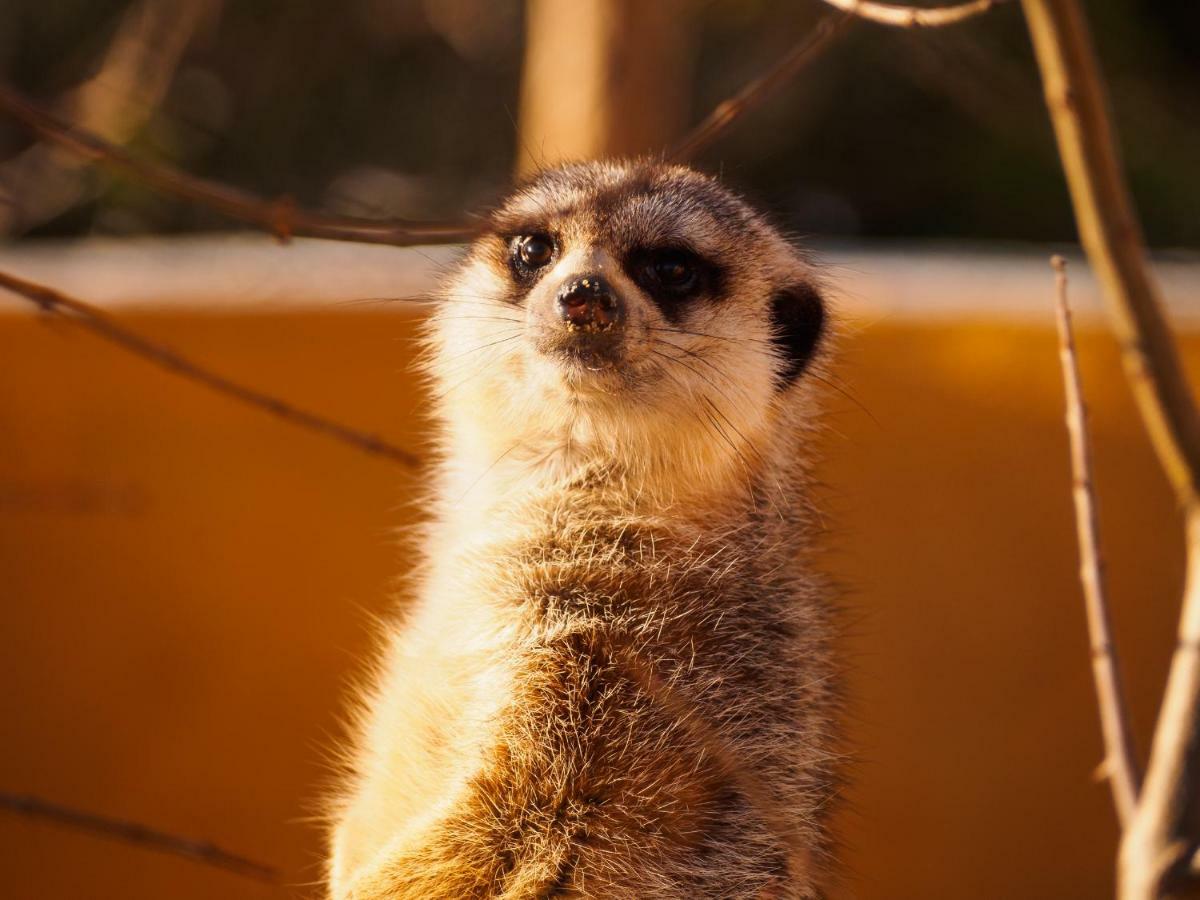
x: 282, y: 217
x: 103, y: 325
x: 912, y: 16
x: 1157, y: 847
x: 1111, y: 236
x: 759, y: 90
x: 113, y: 103
x: 1120, y: 761
x: 135, y: 833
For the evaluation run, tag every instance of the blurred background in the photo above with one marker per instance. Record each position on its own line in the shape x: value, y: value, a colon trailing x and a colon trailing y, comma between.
x: 187, y: 587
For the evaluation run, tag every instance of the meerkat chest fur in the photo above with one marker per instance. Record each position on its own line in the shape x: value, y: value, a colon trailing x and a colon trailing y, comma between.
x: 615, y: 679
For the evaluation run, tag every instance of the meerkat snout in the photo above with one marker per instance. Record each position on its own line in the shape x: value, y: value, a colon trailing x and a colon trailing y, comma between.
x: 589, y: 303
x: 580, y: 322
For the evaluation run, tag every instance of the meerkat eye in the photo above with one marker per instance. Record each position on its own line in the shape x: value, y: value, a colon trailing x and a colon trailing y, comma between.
x: 675, y: 270
x: 672, y: 269
x: 533, y: 251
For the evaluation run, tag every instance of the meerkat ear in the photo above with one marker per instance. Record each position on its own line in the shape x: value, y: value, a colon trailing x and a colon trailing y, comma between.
x: 798, y: 321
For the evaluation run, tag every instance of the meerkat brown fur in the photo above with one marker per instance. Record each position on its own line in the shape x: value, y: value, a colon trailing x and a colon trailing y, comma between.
x: 615, y: 679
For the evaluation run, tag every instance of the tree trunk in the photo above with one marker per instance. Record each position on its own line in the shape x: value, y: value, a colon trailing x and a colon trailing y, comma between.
x: 602, y: 78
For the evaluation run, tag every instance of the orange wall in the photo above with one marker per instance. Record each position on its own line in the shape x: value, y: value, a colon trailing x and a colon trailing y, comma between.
x: 186, y: 585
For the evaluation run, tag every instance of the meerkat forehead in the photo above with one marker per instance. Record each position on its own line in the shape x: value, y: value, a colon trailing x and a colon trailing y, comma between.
x: 632, y: 204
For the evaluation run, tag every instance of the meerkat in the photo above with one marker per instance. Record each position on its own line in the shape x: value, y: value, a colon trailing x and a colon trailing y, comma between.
x: 615, y: 679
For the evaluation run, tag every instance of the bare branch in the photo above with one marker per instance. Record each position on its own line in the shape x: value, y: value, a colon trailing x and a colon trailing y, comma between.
x: 1111, y: 235
x: 1158, y: 845
x: 137, y: 68
x: 135, y: 833
x: 282, y: 217
x: 103, y: 325
x: 1120, y: 762
x: 757, y: 92
x: 914, y: 16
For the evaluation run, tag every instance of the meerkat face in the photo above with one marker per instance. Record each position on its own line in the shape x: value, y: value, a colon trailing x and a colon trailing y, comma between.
x: 630, y: 310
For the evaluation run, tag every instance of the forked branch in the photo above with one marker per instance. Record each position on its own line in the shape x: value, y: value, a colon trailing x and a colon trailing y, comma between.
x: 1120, y: 761
x: 135, y: 833
x: 1157, y: 847
x: 1111, y: 235
x: 99, y: 323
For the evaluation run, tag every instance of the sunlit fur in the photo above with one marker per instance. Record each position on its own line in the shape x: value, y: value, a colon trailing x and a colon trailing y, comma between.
x: 615, y: 679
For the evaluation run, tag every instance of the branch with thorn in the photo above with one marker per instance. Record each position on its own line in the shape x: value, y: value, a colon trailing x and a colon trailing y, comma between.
x: 1120, y: 761
x: 105, y: 326
x: 1159, y: 844
x: 137, y: 834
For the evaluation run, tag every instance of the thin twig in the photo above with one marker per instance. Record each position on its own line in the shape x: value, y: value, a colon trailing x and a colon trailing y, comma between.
x: 914, y: 16
x: 114, y: 102
x: 761, y: 89
x: 103, y: 325
x: 1120, y: 761
x: 1112, y: 237
x: 758, y: 91
x: 282, y: 217
x: 1158, y: 846
x: 136, y: 833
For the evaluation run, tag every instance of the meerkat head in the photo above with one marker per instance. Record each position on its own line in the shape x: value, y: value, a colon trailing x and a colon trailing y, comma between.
x: 632, y: 315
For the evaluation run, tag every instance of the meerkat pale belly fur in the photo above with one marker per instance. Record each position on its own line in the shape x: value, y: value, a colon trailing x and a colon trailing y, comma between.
x: 615, y: 679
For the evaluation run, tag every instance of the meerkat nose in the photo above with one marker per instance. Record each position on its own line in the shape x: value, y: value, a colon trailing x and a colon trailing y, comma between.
x: 588, y: 303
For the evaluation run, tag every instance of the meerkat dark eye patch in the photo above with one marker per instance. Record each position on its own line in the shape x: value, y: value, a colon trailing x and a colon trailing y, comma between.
x: 672, y: 276
x: 798, y: 321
